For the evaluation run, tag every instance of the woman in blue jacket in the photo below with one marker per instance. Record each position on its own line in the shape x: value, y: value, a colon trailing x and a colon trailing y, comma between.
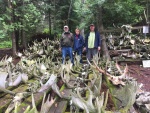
x: 78, y: 43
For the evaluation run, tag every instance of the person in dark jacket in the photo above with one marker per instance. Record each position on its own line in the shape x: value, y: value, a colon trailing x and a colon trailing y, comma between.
x: 78, y: 43
x: 92, y: 42
x: 66, y: 44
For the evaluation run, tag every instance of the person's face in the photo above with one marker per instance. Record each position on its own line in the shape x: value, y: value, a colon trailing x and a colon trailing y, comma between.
x: 77, y: 32
x: 92, y: 28
x: 66, y: 29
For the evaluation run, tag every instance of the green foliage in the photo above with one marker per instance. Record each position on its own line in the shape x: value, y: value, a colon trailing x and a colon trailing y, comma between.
x: 2, y: 34
x: 116, y: 12
x: 122, y: 12
x: 46, y: 30
x: 5, y: 44
x: 25, y: 17
x: 31, y: 17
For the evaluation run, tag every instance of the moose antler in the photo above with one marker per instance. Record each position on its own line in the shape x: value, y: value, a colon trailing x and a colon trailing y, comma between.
x: 116, y: 80
x: 17, y: 100
x: 48, y: 84
x: 46, y: 105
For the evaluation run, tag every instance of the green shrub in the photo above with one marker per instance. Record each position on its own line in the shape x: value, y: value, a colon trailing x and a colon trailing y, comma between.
x: 46, y: 30
x: 5, y: 44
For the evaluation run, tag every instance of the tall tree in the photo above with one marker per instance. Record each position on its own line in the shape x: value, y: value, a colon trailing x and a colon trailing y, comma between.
x: 19, y: 18
x: 10, y: 5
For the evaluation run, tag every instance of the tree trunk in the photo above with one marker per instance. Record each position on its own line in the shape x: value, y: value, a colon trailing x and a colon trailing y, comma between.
x: 82, y: 32
x: 24, y: 41
x: 82, y: 20
x: 70, y: 7
x: 13, y: 32
x: 54, y: 21
x: 17, y: 39
x: 49, y: 18
x: 104, y: 48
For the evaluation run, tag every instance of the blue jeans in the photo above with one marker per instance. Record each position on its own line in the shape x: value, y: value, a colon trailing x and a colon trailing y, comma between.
x: 79, y: 52
x: 65, y: 51
x: 91, y: 52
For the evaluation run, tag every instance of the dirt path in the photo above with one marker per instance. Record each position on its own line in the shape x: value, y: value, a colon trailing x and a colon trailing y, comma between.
x: 142, y: 75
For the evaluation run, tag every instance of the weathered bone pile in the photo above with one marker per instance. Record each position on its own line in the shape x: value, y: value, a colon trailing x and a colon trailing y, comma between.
x: 143, y: 102
x: 40, y: 70
x: 128, y: 45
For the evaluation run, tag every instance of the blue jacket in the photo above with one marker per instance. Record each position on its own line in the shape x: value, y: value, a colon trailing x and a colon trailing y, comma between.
x: 97, y: 42
x: 78, y: 42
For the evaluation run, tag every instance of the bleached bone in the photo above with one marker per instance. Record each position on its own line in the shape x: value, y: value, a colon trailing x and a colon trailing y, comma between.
x: 7, y: 91
x: 19, y: 54
x: 47, y: 85
x: 33, y: 86
x: 3, y: 76
x: 116, y: 80
x: 89, y: 102
x: 66, y: 76
x: 5, y: 60
x: 42, y: 68
x: 34, y: 109
x: 119, y: 69
x: 78, y: 102
x: 46, y: 105
x: 17, y: 100
x: 99, y: 103
x: 143, y: 98
x: 126, y: 28
x: 97, y: 87
x: 21, y: 77
x: 56, y: 89
x: 88, y: 105
x: 40, y: 52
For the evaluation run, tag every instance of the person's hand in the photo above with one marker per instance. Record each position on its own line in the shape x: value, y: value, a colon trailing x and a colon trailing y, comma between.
x: 73, y: 52
x: 84, y: 48
x: 59, y: 49
x: 99, y: 48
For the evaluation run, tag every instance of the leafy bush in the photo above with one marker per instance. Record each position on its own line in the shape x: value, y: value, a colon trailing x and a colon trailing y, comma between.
x: 5, y: 44
x: 54, y: 34
x: 46, y: 30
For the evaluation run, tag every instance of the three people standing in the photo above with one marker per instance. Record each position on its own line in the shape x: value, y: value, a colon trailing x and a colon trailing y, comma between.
x: 69, y: 42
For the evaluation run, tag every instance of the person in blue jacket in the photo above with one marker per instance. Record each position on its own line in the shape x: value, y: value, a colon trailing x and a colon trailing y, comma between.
x: 78, y: 43
x: 92, y: 42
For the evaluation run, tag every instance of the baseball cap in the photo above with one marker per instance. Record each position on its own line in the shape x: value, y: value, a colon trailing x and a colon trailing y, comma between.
x: 92, y: 25
x: 66, y: 26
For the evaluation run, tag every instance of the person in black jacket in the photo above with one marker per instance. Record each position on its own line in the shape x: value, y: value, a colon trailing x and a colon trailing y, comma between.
x: 78, y: 43
x: 66, y: 44
x: 92, y: 42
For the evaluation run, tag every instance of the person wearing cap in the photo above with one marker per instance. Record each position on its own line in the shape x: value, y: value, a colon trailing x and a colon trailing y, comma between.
x: 66, y: 44
x: 78, y: 43
x: 92, y: 42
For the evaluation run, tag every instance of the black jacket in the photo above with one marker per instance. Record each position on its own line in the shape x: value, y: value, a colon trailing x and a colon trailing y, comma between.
x: 67, y: 39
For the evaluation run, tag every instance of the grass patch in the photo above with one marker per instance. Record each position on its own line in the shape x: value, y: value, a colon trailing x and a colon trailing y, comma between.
x: 5, y: 44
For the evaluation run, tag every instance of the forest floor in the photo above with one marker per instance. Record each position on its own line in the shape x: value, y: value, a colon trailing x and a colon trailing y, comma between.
x: 136, y: 70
